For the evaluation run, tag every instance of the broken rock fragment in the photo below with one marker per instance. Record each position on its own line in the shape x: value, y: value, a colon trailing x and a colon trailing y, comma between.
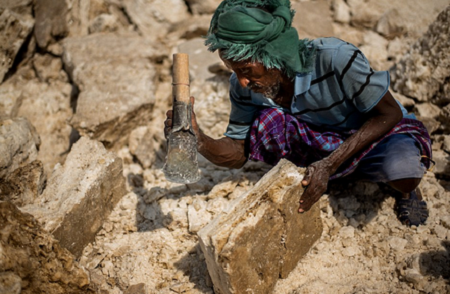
x: 32, y: 261
x: 80, y: 195
x: 261, y: 236
x: 19, y: 144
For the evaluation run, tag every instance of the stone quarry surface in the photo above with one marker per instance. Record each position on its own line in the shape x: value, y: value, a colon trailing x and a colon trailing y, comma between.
x: 80, y: 195
x: 19, y: 144
x: 32, y: 260
x: 426, y: 67
x: 261, y: 236
x: 149, y: 242
x: 116, y: 84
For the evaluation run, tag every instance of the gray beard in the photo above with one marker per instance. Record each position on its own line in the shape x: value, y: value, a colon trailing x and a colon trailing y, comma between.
x: 270, y: 92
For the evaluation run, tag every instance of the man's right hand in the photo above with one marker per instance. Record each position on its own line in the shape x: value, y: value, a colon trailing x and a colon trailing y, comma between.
x: 168, y: 123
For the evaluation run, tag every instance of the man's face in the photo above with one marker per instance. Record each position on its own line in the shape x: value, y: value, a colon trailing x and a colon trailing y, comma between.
x: 256, y: 77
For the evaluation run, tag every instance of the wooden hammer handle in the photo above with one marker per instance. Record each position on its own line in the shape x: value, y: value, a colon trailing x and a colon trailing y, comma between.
x: 180, y: 81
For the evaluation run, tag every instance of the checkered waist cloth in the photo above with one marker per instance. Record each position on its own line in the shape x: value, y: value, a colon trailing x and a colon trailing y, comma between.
x: 275, y: 135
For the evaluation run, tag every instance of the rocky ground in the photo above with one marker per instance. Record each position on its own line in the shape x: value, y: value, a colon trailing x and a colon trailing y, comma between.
x: 101, y: 70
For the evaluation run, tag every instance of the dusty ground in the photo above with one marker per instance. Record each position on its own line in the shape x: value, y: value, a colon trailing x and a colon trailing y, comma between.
x: 150, y: 237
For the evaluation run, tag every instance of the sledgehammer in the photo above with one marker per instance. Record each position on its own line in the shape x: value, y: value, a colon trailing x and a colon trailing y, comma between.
x: 181, y: 162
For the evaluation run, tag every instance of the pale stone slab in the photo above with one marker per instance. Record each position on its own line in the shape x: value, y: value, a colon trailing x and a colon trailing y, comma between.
x: 80, y: 195
x: 261, y: 236
x: 115, y: 77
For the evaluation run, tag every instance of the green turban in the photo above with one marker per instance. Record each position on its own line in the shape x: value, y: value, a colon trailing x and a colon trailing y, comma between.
x: 245, y: 31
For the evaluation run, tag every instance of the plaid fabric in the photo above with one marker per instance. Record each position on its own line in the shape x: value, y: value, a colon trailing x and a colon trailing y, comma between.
x: 275, y: 135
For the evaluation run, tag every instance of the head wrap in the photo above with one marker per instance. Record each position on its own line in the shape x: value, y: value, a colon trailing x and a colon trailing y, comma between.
x: 245, y: 31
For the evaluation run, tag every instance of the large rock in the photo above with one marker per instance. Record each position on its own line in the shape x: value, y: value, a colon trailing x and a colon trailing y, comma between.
x: 80, y: 195
x: 422, y: 72
x: 16, y: 25
x: 51, y: 21
x: 24, y: 184
x: 19, y: 144
x: 48, y: 108
x: 153, y: 17
x: 115, y: 77
x: 261, y: 236
x: 46, y: 104
x: 32, y: 261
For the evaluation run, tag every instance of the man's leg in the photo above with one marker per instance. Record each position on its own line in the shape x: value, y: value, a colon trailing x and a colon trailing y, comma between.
x: 396, y: 161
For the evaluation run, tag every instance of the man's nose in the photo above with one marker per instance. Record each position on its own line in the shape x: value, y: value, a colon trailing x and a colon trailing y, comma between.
x: 243, y: 81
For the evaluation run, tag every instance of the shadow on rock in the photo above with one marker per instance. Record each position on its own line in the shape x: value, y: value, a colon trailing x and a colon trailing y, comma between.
x: 437, y: 263
x: 193, y: 265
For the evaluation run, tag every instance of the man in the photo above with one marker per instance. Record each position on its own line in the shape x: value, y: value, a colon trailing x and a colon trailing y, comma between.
x: 316, y: 103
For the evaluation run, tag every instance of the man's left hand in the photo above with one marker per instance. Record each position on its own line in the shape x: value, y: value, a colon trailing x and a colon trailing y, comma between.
x: 316, y: 182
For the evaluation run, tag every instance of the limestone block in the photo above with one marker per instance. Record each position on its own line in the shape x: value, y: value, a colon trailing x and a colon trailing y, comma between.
x: 48, y: 107
x: 19, y: 143
x: 32, y: 261
x: 80, y: 195
x: 115, y: 77
x: 51, y: 23
x: 153, y: 18
x: 425, y: 68
x: 261, y: 236
x: 313, y: 19
x: 15, y: 30
x: 24, y: 184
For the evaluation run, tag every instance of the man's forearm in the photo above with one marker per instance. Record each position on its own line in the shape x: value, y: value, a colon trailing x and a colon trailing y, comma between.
x: 380, y: 122
x: 224, y: 152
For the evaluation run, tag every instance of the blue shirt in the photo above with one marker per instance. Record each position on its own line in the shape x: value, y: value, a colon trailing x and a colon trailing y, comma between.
x: 337, y: 93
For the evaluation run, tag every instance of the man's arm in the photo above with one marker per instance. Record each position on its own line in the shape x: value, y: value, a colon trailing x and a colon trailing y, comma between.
x: 224, y: 152
x: 382, y: 118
